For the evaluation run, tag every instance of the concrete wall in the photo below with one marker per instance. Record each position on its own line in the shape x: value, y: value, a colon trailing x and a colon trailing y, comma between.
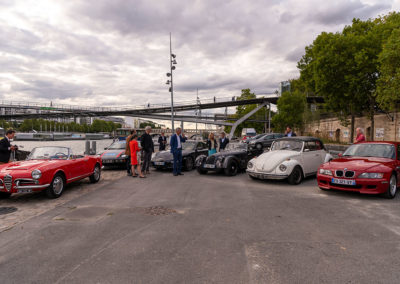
x: 385, y: 128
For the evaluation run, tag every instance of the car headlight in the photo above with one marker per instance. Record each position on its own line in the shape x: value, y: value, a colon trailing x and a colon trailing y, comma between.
x: 250, y: 165
x: 36, y: 174
x: 325, y: 172
x: 282, y: 168
x: 371, y: 175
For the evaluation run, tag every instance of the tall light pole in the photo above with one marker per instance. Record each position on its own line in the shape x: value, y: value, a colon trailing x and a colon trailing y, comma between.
x: 172, y: 62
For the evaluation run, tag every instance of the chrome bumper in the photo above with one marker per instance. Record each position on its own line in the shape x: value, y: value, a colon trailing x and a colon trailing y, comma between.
x: 265, y: 176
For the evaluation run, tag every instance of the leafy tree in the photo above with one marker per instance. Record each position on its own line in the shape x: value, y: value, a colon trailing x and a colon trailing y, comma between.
x: 243, y: 110
x: 291, y: 109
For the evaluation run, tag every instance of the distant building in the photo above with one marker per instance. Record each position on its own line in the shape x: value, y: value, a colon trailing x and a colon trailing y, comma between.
x: 284, y: 87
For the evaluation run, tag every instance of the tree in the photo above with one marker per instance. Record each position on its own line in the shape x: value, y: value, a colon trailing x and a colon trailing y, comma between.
x: 244, y: 109
x: 291, y: 109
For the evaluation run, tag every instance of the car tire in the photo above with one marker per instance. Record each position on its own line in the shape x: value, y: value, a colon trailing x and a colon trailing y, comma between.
x: 56, y: 187
x: 259, y: 146
x: 95, y: 177
x: 201, y: 171
x: 392, y: 188
x: 189, y: 164
x: 296, y: 176
x: 231, y: 168
x: 5, y: 195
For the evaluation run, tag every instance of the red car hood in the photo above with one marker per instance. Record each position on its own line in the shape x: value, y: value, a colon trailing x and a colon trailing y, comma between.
x: 359, y: 164
x: 26, y: 165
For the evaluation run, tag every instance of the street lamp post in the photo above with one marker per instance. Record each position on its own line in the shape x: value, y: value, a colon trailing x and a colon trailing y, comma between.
x: 172, y: 63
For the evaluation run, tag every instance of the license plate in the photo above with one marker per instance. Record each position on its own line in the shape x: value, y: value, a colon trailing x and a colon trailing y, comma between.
x: 343, y: 181
x: 159, y: 163
x: 209, y: 166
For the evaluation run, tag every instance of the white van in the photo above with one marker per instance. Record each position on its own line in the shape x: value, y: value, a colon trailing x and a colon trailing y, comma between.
x: 248, y: 132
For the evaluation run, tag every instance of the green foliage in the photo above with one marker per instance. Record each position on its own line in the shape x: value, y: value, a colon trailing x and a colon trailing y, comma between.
x: 151, y: 124
x: 47, y: 125
x: 244, y: 109
x: 291, y: 110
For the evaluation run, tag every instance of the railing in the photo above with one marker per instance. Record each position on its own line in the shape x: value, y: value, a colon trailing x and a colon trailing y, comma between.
x: 64, y: 107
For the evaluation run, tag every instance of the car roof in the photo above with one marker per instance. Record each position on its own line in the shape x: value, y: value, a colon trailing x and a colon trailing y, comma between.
x: 300, y: 138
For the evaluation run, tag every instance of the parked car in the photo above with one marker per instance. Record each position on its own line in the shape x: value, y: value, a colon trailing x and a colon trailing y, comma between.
x: 231, y: 160
x: 114, y: 155
x: 291, y: 158
x: 369, y: 167
x: 190, y: 151
x: 48, y: 169
x: 249, y: 139
x: 248, y: 132
x: 265, y: 141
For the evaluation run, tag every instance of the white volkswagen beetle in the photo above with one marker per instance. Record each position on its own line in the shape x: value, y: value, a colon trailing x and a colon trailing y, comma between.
x: 293, y: 158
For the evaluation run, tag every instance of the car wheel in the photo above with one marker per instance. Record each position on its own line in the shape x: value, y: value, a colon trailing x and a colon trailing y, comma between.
x: 56, y: 187
x: 296, y: 176
x: 392, y: 188
x: 232, y: 168
x: 4, y: 195
x: 189, y: 164
x: 95, y: 177
x: 259, y: 146
x: 201, y: 171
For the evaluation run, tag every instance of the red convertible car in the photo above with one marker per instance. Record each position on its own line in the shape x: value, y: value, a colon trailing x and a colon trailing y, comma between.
x: 369, y: 167
x: 49, y: 169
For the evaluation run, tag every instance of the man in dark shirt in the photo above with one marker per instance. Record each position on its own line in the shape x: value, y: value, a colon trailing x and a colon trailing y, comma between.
x: 162, y: 140
x: 223, y: 141
x: 5, y: 147
x: 146, y: 141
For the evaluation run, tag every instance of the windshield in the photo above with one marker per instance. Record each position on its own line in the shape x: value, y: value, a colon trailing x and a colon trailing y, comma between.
x: 44, y: 153
x: 236, y: 146
x: 186, y: 146
x: 371, y: 150
x: 292, y: 145
x: 117, y: 145
x: 257, y: 136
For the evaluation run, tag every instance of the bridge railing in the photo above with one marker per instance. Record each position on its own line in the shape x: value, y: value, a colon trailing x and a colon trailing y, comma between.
x: 65, y: 107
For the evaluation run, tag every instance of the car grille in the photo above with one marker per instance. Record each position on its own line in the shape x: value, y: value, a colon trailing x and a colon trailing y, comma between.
x: 8, y: 182
x: 210, y: 160
x: 348, y: 174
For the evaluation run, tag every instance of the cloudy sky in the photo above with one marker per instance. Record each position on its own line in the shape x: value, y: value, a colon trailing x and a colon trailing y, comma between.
x: 116, y: 52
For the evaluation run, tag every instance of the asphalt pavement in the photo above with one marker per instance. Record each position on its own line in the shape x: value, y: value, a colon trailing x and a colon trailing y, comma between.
x: 207, y: 229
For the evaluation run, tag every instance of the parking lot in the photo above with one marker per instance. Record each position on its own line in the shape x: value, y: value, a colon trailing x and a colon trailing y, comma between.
x: 200, y: 229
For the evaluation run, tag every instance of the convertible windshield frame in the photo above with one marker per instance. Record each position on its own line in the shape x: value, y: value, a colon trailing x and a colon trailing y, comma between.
x: 290, y: 142
x: 357, y: 151
x: 236, y: 146
x: 117, y: 143
x: 48, y: 157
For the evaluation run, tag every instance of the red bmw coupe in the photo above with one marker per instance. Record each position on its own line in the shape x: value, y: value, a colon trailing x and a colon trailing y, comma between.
x: 49, y: 169
x: 369, y: 167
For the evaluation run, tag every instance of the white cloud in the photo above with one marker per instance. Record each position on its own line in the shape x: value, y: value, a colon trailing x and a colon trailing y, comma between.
x: 117, y: 52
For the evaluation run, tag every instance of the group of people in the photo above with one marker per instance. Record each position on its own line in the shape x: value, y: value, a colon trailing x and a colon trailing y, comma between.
x: 215, y: 145
x: 142, y: 154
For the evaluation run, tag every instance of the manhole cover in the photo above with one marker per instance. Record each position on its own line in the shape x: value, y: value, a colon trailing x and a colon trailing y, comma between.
x: 7, y: 210
x: 158, y: 210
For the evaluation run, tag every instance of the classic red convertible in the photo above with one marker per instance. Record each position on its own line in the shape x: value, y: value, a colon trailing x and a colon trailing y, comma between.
x: 49, y: 169
x: 369, y: 167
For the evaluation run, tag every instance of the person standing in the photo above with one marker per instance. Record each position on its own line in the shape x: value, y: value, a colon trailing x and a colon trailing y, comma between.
x: 212, y: 144
x: 134, y: 148
x: 6, y: 148
x: 128, y: 153
x: 223, y: 141
x: 148, y: 148
x: 162, y: 140
x: 176, y: 149
x: 360, y: 136
x: 289, y: 132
